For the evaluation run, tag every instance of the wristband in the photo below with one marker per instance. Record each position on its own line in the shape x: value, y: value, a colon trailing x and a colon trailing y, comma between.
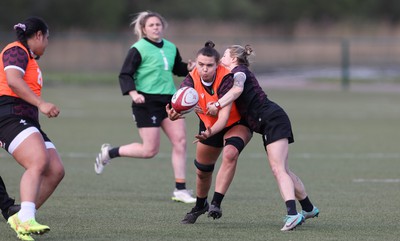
x: 217, y: 104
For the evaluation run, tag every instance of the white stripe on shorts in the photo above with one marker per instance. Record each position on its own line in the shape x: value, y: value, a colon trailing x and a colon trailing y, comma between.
x: 20, y: 138
x: 23, y: 135
x: 49, y: 145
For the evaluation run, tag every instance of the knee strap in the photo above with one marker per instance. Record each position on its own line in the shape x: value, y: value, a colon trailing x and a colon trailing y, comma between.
x: 204, y: 168
x: 235, y: 141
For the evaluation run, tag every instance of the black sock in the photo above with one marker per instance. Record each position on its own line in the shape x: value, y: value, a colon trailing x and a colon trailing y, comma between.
x: 217, y: 199
x: 180, y: 185
x: 114, y: 152
x: 201, y: 202
x: 291, y: 207
x: 306, y: 205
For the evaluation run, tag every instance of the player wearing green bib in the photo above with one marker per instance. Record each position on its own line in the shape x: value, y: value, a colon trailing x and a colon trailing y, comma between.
x: 153, y: 75
x: 147, y: 77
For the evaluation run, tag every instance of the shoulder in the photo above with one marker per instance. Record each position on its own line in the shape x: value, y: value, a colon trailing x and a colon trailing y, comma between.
x: 15, y: 56
x: 139, y: 43
x: 188, y: 81
x: 133, y: 55
x: 241, y: 68
x: 16, y: 50
x: 223, y: 71
x: 133, y: 51
x: 169, y: 47
x: 169, y: 43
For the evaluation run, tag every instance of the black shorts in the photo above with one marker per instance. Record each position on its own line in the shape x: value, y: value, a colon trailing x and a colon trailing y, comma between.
x: 152, y: 112
x: 218, y: 140
x: 15, y: 129
x: 276, y: 126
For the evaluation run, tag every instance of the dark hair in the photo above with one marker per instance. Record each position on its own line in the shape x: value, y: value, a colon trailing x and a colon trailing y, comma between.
x: 208, y: 50
x: 28, y: 28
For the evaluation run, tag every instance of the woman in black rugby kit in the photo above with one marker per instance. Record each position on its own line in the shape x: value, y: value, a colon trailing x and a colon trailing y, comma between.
x: 270, y: 120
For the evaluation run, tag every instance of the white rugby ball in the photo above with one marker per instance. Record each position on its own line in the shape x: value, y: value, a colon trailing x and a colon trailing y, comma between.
x: 184, y: 100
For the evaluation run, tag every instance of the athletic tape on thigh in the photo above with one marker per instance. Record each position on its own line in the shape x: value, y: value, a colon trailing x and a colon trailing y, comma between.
x: 236, y: 142
x: 204, y: 168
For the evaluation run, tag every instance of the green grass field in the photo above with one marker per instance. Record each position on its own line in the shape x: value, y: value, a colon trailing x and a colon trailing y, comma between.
x: 346, y: 152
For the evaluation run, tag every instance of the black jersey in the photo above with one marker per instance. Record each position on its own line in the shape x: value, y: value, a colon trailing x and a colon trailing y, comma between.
x: 253, y: 104
x: 253, y: 96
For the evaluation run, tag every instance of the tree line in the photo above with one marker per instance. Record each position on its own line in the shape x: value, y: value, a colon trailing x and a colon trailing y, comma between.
x: 112, y: 15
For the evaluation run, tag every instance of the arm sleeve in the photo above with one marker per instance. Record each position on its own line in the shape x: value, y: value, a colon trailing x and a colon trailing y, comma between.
x: 225, y: 85
x: 180, y: 67
x: 131, y: 64
x: 188, y: 81
x: 15, y: 57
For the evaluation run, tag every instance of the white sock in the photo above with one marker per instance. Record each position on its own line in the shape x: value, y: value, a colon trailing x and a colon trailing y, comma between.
x: 28, y: 210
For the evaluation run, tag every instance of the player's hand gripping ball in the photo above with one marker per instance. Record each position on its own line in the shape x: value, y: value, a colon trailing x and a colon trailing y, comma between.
x: 184, y: 100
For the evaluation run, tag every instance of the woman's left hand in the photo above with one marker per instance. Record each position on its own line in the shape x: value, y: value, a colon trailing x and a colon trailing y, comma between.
x: 203, y: 135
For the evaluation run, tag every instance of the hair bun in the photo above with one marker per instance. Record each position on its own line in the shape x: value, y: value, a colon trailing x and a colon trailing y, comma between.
x: 248, y: 49
x: 209, y: 44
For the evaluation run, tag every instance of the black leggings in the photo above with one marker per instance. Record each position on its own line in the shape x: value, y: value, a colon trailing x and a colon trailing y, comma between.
x: 5, y: 200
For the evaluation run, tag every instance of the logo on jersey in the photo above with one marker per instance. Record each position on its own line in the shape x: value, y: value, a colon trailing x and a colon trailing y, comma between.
x: 23, y: 122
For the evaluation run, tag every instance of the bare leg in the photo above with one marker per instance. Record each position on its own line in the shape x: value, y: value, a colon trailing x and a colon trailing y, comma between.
x: 206, y: 155
x: 52, y: 177
x: 33, y: 156
x: 176, y: 132
x: 148, y: 149
x: 278, y: 161
x: 230, y: 156
x: 300, y: 190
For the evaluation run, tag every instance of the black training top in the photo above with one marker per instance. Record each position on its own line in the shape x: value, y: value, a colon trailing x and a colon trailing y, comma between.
x: 253, y: 104
x: 133, y: 61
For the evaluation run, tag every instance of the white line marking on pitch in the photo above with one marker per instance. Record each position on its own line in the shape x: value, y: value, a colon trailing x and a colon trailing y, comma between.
x: 360, y: 180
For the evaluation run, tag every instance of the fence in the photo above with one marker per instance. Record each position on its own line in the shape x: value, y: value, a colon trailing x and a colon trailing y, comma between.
x: 344, y: 60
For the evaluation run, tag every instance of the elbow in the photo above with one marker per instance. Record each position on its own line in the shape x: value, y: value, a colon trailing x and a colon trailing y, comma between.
x: 12, y: 85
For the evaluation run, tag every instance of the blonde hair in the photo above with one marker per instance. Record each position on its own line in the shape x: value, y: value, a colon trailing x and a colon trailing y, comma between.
x: 140, y: 21
x: 241, y: 53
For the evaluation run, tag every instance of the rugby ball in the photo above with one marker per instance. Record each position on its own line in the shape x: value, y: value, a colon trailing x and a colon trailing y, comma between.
x: 184, y: 100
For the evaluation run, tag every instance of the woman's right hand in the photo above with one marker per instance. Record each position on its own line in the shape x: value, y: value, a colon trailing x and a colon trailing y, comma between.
x: 172, y: 114
x: 136, y: 97
x: 49, y: 109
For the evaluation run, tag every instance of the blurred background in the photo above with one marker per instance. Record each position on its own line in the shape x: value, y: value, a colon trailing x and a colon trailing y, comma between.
x: 308, y: 43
